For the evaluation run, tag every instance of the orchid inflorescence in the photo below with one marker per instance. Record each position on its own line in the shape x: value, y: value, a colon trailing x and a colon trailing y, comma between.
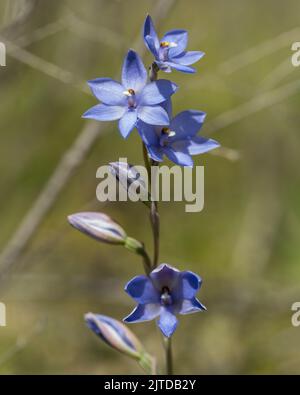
x: 143, y: 102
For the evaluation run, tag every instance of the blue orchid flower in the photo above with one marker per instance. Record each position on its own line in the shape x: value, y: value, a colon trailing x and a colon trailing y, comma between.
x: 165, y: 293
x: 169, y: 52
x: 133, y: 99
x: 178, y: 139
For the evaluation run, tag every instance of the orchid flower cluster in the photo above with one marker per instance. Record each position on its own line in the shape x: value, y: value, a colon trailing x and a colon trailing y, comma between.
x: 143, y: 102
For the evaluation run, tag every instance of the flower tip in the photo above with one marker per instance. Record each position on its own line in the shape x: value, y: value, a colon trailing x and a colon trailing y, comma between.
x: 71, y: 219
x: 88, y: 315
x: 88, y: 318
x: 131, y: 52
x: 148, y: 19
x: 175, y: 87
x: 91, y: 322
x: 114, y: 165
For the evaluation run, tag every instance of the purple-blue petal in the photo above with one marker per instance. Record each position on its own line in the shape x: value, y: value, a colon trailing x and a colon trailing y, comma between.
x: 179, y: 155
x: 102, y: 112
x: 127, y: 122
x: 190, y: 283
x: 149, y: 133
x: 155, y: 153
x: 165, y: 276
x: 187, y: 124
x: 167, y: 322
x: 191, y: 306
x: 154, y: 115
x: 150, y: 43
x: 188, y: 58
x: 142, y: 290
x: 134, y: 74
x: 157, y: 92
x: 180, y: 67
x: 180, y: 38
x: 200, y: 145
x: 149, y: 32
x: 144, y: 312
x: 167, y: 105
x: 108, y: 91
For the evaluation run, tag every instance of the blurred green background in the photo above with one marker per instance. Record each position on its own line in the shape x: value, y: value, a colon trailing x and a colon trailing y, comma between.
x: 244, y: 244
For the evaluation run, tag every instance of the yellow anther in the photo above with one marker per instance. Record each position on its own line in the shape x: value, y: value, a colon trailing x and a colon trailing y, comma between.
x: 168, y: 44
x: 164, y: 44
x: 165, y: 130
x: 129, y: 92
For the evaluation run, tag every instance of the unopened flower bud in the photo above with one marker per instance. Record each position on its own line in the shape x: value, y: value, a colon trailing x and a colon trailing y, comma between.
x: 115, y: 334
x: 131, y: 180
x: 99, y: 226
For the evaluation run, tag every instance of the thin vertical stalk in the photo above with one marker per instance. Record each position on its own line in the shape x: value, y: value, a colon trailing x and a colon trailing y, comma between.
x: 155, y: 222
x: 154, y: 216
x: 168, y: 354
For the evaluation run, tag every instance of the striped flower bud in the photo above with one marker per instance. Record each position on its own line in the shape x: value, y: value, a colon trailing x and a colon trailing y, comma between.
x: 99, y: 226
x: 131, y: 180
x: 115, y: 334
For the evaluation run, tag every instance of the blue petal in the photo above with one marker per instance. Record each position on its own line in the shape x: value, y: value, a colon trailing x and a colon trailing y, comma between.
x: 167, y: 105
x: 156, y: 153
x: 200, y: 145
x: 180, y: 67
x: 179, y: 156
x: 108, y: 91
x: 188, y: 58
x: 149, y: 133
x: 191, y: 306
x: 102, y: 112
x: 141, y: 289
x: 180, y: 38
x: 127, y: 122
x: 187, y: 124
x: 149, y: 31
x: 157, y: 92
x: 150, y: 44
x: 190, y: 283
x: 154, y: 115
x: 144, y: 312
x: 134, y: 74
x: 165, y: 276
x: 167, y: 322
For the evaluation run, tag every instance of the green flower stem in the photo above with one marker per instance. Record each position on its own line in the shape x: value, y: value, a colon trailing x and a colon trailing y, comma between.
x: 148, y: 364
x: 153, y: 72
x: 136, y: 246
x: 168, y: 353
x: 146, y: 261
x: 154, y: 216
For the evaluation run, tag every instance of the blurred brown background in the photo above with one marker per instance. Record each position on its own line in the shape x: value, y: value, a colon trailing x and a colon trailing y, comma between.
x: 245, y: 244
